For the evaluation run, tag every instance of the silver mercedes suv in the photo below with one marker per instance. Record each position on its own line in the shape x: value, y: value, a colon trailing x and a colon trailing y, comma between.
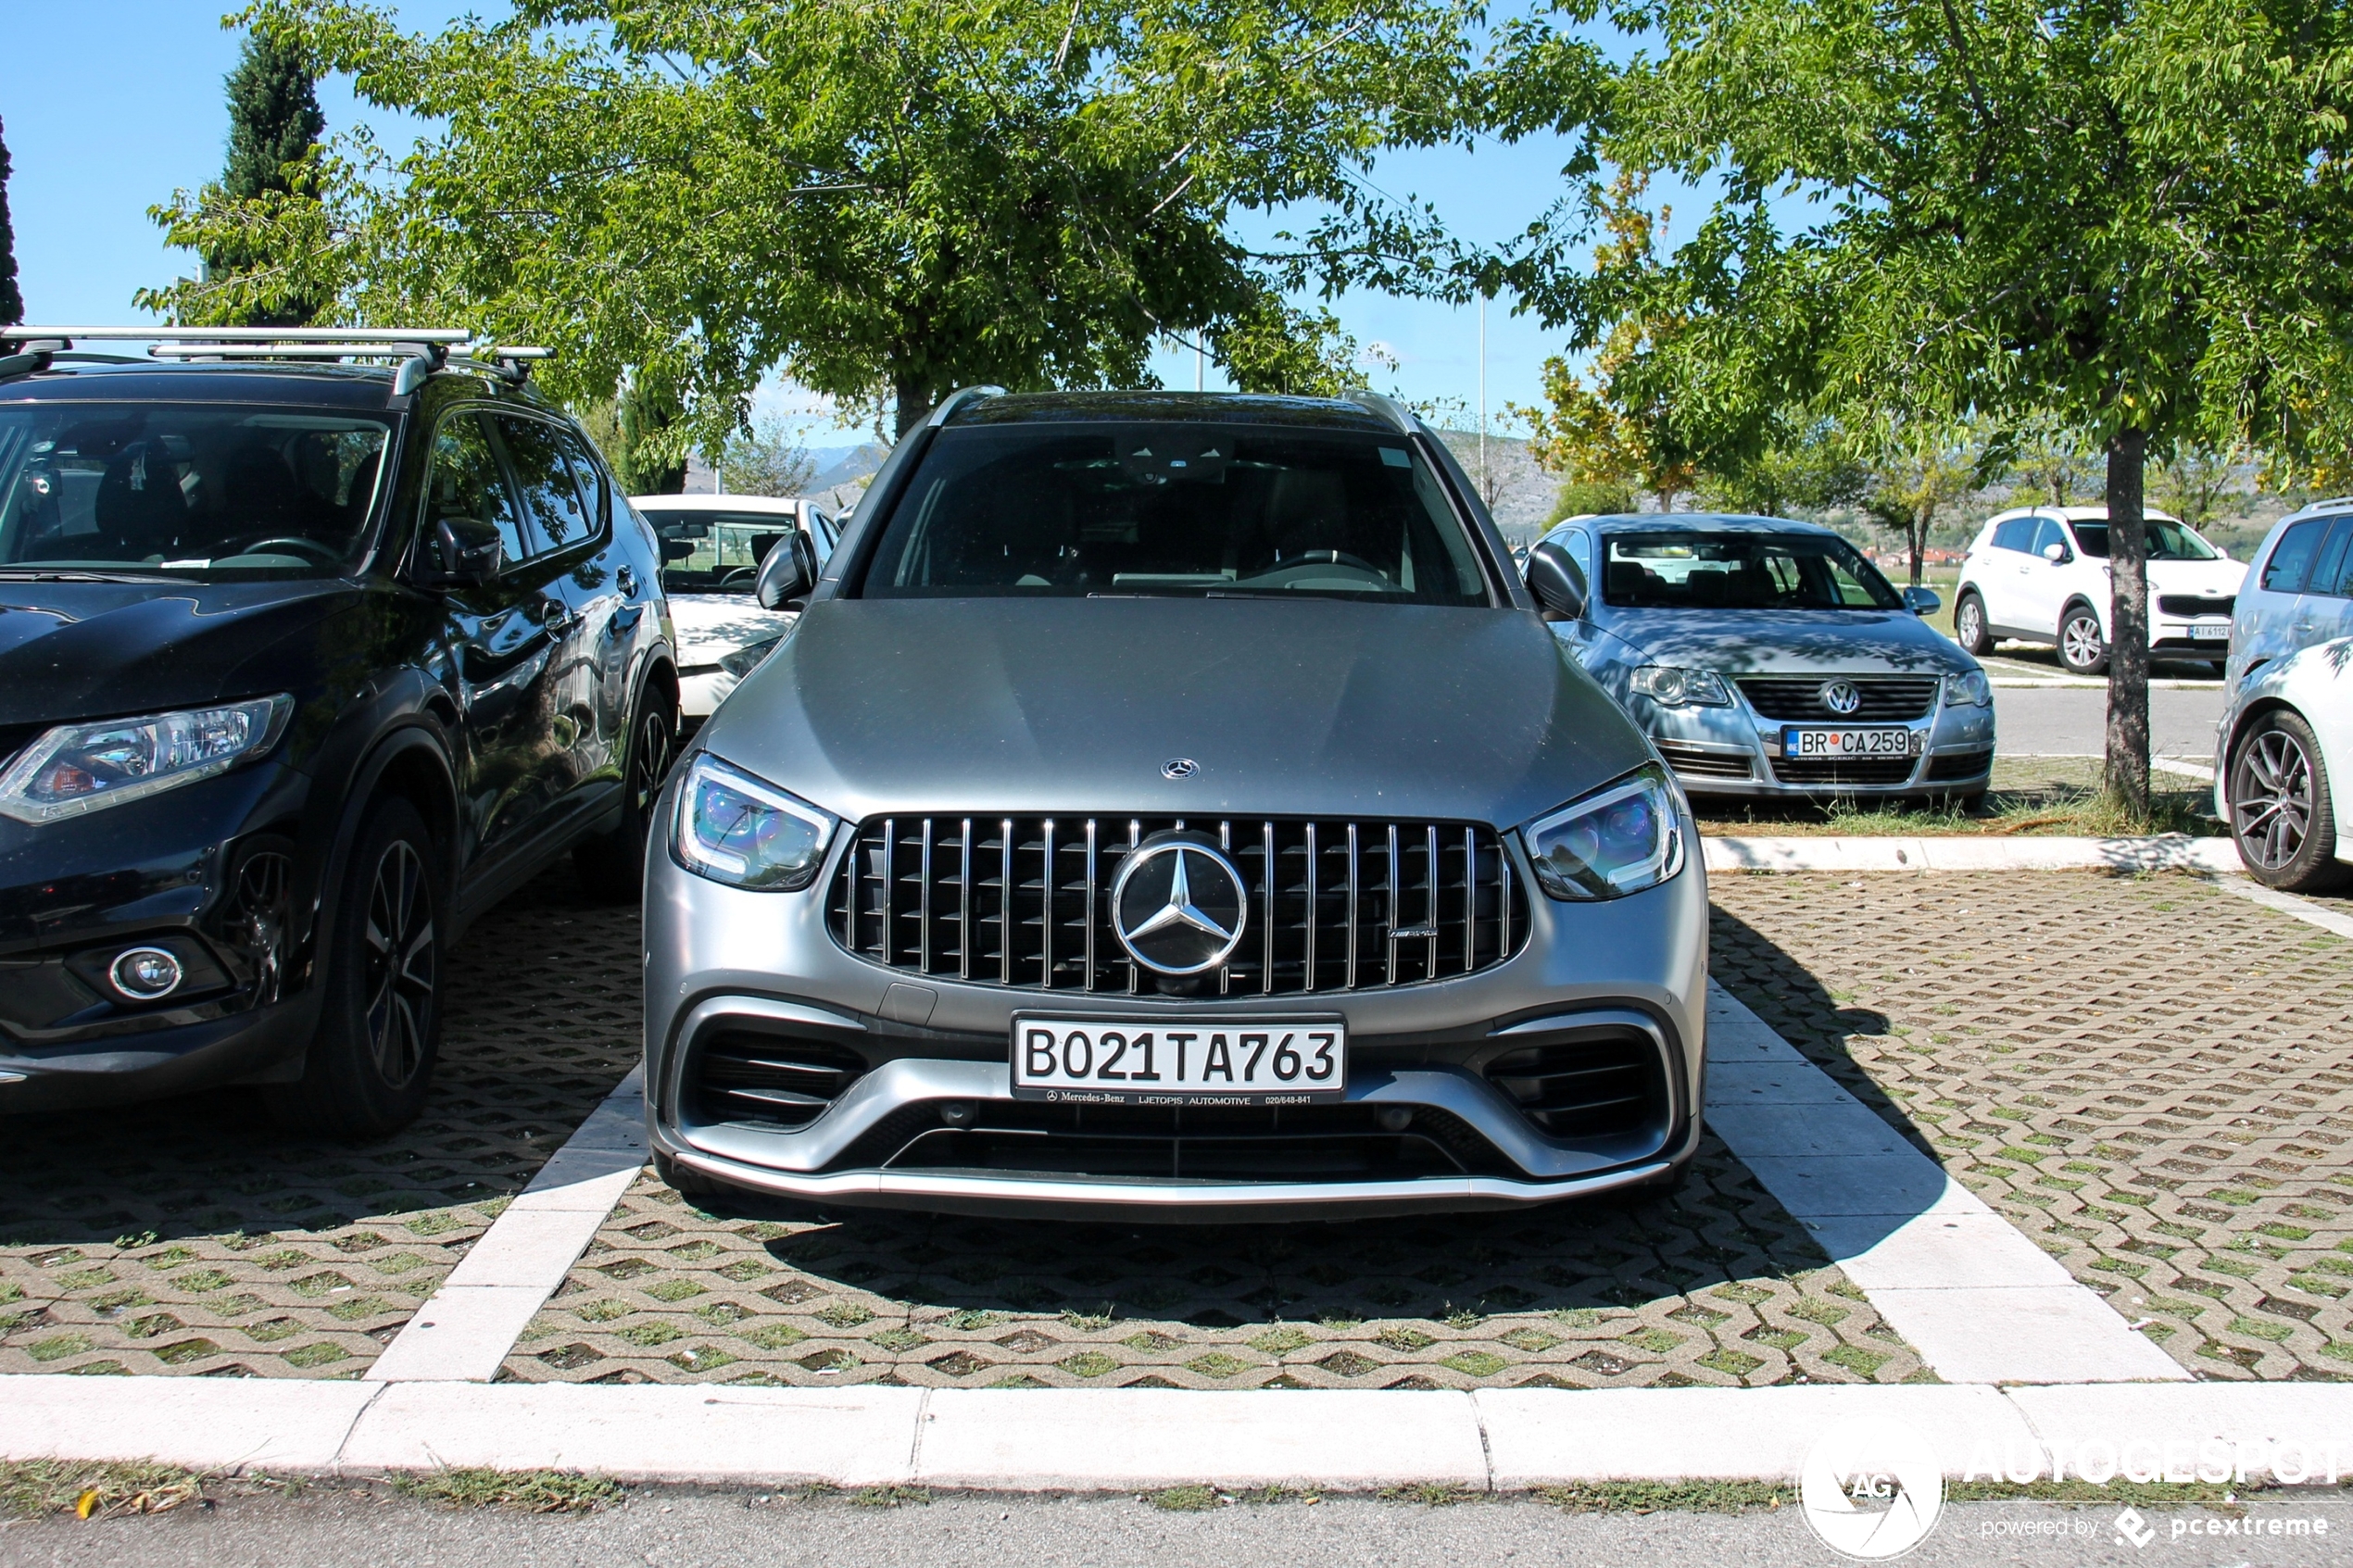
x: 1172, y: 806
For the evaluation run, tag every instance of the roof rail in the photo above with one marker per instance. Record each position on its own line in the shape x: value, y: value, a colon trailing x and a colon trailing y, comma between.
x: 962, y: 395
x: 377, y: 336
x: 1387, y: 408
x: 2333, y: 504
x: 422, y: 350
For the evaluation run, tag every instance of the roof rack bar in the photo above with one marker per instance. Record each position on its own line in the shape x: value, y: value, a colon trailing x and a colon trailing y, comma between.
x: 450, y: 335
x: 1387, y: 408
x: 288, y: 350
x: 962, y: 395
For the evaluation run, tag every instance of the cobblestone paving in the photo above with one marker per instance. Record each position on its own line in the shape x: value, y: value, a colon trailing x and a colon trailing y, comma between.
x: 192, y: 1237
x: 1717, y: 1286
x: 2152, y: 1076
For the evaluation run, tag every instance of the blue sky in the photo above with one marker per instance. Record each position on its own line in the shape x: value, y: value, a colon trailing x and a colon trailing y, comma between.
x: 94, y: 149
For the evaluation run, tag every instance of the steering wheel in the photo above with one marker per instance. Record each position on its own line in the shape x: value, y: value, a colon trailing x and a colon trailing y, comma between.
x: 295, y: 545
x: 739, y: 577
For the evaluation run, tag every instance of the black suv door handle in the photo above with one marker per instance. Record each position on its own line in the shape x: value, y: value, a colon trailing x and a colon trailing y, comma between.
x: 555, y: 615
x: 627, y: 578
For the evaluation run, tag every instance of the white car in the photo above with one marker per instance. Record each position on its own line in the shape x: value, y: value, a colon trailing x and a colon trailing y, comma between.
x: 2041, y: 574
x: 711, y: 549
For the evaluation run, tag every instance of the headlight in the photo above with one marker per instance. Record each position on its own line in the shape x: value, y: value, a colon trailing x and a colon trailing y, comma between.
x: 1971, y: 690
x: 1671, y: 687
x: 745, y: 660
x: 79, y: 768
x: 736, y: 829
x: 1615, y: 840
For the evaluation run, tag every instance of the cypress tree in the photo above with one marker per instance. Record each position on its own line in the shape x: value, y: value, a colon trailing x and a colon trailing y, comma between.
x: 273, y: 120
x: 11, y: 302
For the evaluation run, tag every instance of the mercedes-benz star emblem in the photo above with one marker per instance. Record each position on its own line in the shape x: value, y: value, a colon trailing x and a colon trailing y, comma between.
x: 1840, y: 697
x: 1179, y: 768
x: 1178, y: 905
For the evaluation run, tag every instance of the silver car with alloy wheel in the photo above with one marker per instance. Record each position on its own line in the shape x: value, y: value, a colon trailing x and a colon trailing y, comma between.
x: 1171, y: 806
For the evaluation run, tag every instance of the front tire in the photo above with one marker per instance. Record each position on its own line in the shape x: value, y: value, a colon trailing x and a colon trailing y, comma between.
x: 2281, y: 817
x: 611, y: 866
x: 379, y: 1036
x: 1969, y: 625
x: 2082, y: 647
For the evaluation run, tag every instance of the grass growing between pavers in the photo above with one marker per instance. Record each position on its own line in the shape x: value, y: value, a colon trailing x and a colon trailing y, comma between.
x: 2151, y: 1077
x: 2034, y: 796
x: 518, y: 1491
x: 1716, y: 1285
x: 192, y: 1237
x: 31, y: 1489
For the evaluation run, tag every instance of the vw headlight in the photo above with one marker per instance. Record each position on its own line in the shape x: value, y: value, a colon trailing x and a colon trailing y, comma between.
x: 1970, y: 690
x: 1618, y: 840
x: 79, y: 768
x: 746, y: 833
x: 745, y: 660
x: 1671, y: 687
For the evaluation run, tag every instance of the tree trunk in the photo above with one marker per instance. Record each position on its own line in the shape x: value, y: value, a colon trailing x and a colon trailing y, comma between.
x: 915, y: 401
x: 1919, y: 540
x: 2128, y: 653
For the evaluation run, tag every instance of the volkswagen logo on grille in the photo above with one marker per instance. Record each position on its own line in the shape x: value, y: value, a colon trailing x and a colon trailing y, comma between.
x: 1839, y: 698
x: 1178, y: 905
x: 1179, y: 768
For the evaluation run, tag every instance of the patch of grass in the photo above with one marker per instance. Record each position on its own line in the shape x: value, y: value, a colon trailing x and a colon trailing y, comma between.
x: 1186, y: 1499
x: 1660, y: 1497
x: 1089, y: 1363
x: 41, y: 1487
x: 1476, y: 1363
x: 522, y: 1491
x: 2117, y: 1492
x: 891, y: 1497
x: 1429, y: 1494
x: 1281, y: 1340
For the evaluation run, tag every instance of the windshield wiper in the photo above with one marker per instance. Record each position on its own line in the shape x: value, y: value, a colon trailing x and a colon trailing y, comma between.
x: 77, y: 574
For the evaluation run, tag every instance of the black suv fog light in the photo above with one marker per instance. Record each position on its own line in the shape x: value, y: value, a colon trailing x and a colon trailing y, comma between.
x: 958, y: 1112
x: 146, y: 975
x: 1394, y: 1118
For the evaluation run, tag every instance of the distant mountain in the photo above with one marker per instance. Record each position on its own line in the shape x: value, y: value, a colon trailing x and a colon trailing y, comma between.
x: 837, y: 465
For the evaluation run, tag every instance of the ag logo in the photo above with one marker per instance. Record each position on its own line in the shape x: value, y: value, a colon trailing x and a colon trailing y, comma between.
x: 1839, y: 698
x: 1871, y: 1490
x: 1178, y: 905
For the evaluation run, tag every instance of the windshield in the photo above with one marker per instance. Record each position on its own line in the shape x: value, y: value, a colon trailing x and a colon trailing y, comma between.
x: 1064, y: 510
x: 195, y: 490
x: 1741, y: 571
x: 2168, y: 540
x: 727, y: 547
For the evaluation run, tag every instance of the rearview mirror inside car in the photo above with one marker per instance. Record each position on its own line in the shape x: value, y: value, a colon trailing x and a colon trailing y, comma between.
x: 676, y: 549
x: 787, y: 574
x: 1922, y: 601
x: 465, y: 551
x: 1556, y: 580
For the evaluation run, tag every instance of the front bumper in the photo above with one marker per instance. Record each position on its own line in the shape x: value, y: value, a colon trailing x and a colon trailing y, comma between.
x: 723, y: 963
x: 1736, y: 752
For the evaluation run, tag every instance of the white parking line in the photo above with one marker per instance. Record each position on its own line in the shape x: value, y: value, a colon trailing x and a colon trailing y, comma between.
x: 466, y: 1328
x: 2337, y: 920
x: 1967, y: 1290
x: 2164, y: 852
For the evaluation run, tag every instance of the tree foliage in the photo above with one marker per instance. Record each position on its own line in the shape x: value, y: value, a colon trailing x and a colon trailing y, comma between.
x: 882, y: 197
x: 274, y: 120
x: 765, y: 461
x: 11, y: 302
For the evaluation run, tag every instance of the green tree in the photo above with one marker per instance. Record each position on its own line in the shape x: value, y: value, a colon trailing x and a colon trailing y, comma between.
x: 912, y: 195
x: 1919, y: 470
x: 2126, y: 215
x: 765, y: 461
x: 651, y: 460
x: 11, y: 302
x: 273, y: 123
x: 2199, y: 484
x: 2055, y: 464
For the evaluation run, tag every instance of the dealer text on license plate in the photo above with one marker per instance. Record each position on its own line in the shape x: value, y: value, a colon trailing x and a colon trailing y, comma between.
x: 1136, y: 1061
x: 1861, y: 740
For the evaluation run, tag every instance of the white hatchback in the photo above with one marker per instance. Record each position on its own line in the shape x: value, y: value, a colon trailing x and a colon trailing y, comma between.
x: 712, y: 549
x: 2041, y: 574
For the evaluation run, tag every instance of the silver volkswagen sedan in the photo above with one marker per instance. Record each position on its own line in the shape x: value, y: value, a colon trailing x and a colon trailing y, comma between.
x: 1172, y: 806
x: 1766, y: 657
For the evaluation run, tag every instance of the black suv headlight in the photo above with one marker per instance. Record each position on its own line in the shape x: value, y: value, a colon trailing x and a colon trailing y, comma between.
x: 76, y: 769
x: 1620, y: 839
x: 746, y: 833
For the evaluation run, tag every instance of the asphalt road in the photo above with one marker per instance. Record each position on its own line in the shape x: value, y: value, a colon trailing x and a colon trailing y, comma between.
x: 333, y: 1527
x: 2071, y: 721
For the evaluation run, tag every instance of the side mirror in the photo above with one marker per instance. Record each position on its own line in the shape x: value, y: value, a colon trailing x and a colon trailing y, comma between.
x: 2055, y: 554
x: 1922, y: 601
x: 465, y: 552
x: 676, y: 549
x: 787, y: 574
x: 1553, y: 577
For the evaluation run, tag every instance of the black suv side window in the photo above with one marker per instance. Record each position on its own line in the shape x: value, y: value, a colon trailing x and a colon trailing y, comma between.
x: 589, y: 476
x: 464, y: 480
x: 545, y: 475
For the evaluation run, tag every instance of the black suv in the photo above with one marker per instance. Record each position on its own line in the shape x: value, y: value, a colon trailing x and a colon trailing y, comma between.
x: 305, y: 662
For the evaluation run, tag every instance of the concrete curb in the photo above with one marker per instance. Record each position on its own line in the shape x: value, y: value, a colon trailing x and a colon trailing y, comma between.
x: 2166, y: 852
x: 1114, y: 1439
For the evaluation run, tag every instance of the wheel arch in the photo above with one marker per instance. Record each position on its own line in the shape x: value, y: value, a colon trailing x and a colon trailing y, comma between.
x: 2257, y: 710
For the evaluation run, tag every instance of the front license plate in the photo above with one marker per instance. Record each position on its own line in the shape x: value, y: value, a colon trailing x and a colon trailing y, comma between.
x: 1881, y: 741
x: 1129, y: 1061
x: 2211, y: 634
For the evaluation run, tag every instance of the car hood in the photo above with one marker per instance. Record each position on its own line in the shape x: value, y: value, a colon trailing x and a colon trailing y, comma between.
x: 711, y: 626
x: 1799, y: 641
x: 90, y: 650
x: 1076, y: 705
x: 2206, y: 577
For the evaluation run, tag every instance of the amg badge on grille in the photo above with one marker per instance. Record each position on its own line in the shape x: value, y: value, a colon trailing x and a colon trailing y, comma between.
x: 1179, y: 906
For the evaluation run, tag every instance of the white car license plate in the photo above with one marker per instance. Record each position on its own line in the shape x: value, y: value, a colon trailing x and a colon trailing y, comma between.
x: 2211, y: 634
x: 1140, y: 1062
x: 1879, y: 741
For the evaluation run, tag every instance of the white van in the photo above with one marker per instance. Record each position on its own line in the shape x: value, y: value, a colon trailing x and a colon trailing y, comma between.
x: 2041, y: 574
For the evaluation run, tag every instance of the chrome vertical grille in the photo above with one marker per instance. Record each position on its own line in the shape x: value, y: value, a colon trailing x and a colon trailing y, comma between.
x: 1026, y: 901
